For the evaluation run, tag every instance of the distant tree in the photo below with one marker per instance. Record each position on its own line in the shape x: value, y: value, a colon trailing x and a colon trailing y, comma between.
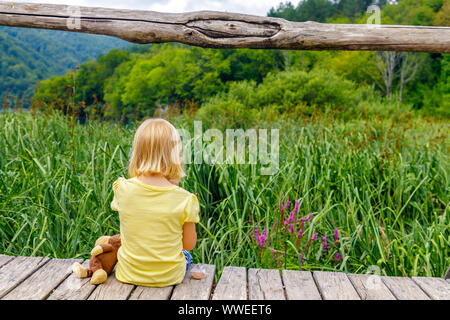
x: 322, y: 10
x: 442, y: 18
x: 284, y: 10
x: 396, y: 65
x: 307, y: 10
x: 386, y: 62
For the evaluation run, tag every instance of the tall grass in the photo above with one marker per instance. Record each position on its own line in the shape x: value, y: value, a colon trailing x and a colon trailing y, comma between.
x: 384, y: 183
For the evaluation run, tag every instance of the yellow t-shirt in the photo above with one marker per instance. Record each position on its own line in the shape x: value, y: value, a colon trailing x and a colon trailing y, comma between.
x: 151, y: 229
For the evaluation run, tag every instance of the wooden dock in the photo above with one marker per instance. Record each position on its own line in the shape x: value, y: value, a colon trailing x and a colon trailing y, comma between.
x: 34, y: 278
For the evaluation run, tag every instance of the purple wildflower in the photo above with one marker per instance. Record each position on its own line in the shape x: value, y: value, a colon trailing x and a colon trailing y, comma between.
x: 300, y: 233
x: 300, y: 258
x: 314, y: 236
x: 309, y: 218
x: 324, y: 243
x: 274, y: 252
x: 336, y: 234
x: 261, y: 239
x: 296, y: 206
x: 291, y: 217
x: 287, y: 204
x: 338, y: 257
x: 292, y: 228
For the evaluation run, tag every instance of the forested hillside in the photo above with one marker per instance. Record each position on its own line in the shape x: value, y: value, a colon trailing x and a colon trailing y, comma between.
x: 137, y: 82
x: 29, y: 55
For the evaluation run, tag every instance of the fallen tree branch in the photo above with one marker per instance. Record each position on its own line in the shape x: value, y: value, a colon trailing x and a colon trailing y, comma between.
x: 224, y: 30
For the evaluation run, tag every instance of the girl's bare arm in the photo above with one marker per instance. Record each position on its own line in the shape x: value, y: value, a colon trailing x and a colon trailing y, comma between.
x: 189, y: 236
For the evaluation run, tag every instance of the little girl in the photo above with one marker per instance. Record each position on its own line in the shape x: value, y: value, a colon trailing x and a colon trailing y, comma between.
x: 157, y: 217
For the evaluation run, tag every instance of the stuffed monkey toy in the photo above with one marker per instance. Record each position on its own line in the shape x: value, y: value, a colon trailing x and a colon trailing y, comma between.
x: 103, y: 260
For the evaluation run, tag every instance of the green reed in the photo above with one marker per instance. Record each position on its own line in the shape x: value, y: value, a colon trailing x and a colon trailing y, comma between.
x: 383, y: 183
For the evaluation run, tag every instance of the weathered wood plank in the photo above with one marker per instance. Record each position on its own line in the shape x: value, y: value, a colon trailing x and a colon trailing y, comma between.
x: 17, y: 270
x: 112, y: 289
x: 265, y: 284
x: 370, y: 287
x: 436, y: 288
x: 335, y: 286
x: 192, y: 289
x: 73, y: 288
x: 224, y: 29
x: 404, y: 288
x: 151, y: 293
x: 4, y: 259
x: 42, y: 282
x: 300, y: 285
x: 232, y: 284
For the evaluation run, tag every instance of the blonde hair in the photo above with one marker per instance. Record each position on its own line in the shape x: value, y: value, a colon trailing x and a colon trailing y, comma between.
x: 157, y: 149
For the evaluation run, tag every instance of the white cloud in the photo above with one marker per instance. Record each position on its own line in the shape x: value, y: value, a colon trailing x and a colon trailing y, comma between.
x: 256, y: 7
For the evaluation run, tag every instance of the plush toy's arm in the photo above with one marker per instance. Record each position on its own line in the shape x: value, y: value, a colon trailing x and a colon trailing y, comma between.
x: 115, y: 238
x: 101, y: 249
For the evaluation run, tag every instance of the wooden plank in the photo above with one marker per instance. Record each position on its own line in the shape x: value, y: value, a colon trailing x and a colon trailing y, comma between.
x: 300, y: 285
x: 4, y: 259
x: 151, y: 293
x: 335, y: 286
x: 112, y: 289
x: 232, y: 284
x: 370, y: 287
x: 42, y: 282
x: 265, y: 284
x: 192, y: 289
x: 404, y: 288
x: 436, y: 288
x: 17, y: 270
x: 214, y: 29
x: 73, y: 288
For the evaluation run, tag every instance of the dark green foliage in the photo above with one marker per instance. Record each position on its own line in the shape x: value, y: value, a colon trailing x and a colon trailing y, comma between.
x: 138, y: 82
x: 29, y: 55
x: 144, y: 79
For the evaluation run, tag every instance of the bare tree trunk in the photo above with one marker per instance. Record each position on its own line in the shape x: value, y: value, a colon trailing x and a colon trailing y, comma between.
x: 224, y: 30
x: 409, y: 66
x: 287, y: 59
x: 386, y: 63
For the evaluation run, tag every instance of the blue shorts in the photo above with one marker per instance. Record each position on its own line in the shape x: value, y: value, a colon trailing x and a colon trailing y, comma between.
x: 188, y: 257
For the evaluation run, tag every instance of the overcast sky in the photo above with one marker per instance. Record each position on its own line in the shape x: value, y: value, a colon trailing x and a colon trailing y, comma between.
x: 257, y: 7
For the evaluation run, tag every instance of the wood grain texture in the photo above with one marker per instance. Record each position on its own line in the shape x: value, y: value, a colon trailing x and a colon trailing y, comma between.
x: 224, y: 30
x: 151, y: 293
x: 436, y: 288
x: 404, y: 288
x: 265, y: 284
x: 300, y: 285
x: 4, y: 259
x: 112, y: 289
x: 335, y: 286
x: 43, y: 281
x: 17, y: 270
x: 73, y: 288
x: 232, y: 284
x: 192, y: 289
x: 370, y: 287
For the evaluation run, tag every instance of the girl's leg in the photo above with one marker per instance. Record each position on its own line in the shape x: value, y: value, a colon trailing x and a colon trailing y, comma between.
x: 188, y: 257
